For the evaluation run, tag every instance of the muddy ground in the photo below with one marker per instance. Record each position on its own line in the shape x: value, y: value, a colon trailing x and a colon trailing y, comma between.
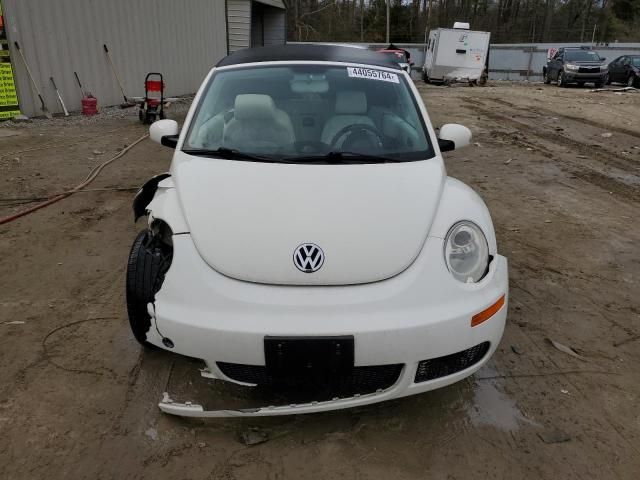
x: 560, y: 172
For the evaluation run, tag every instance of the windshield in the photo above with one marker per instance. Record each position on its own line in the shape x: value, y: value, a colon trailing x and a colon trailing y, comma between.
x: 581, y: 56
x: 303, y: 112
x: 635, y: 61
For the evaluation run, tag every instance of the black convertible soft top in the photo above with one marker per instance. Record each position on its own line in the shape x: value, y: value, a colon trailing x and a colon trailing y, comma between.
x: 309, y: 52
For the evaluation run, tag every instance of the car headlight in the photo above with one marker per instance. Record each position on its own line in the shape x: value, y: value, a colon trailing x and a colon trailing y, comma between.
x: 604, y: 68
x: 466, y: 252
x: 569, y: 66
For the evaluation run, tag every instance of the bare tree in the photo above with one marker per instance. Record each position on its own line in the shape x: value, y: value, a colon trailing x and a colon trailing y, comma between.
x: 507, y: 20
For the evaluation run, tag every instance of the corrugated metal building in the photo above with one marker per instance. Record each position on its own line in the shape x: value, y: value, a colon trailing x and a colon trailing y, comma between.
x: 255, y: 23
x: 182, y: 40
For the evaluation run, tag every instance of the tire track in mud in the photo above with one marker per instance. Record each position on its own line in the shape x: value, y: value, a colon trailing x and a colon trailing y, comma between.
x: 543, y: 133
x: 593, y: 174
x: 546, y: 112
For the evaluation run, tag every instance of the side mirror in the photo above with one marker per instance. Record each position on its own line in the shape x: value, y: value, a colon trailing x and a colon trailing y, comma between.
x: 603, y: 58
x: 453, y: 136
x: 165, y: 132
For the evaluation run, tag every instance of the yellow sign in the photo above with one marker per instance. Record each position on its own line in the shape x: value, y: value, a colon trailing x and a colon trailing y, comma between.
x: 8, y: 96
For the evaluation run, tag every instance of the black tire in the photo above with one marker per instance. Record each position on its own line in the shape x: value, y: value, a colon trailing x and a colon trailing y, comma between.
x: 598, y: 85
x: 561, y: 83
x: 547, y: 78
x: 145, y: 271
x: 580, y: 84
x: 631, y: 81
x: 607, y: 79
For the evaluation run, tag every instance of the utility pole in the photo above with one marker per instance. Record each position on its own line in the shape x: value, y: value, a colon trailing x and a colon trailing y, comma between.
x: 593, y: 37
x: 426, y: 33
x: 388, y: 2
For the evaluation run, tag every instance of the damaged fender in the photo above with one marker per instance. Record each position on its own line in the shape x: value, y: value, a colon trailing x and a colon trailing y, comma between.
x: 145, y: 195
x: 158, y: 200
x: 151, y: 255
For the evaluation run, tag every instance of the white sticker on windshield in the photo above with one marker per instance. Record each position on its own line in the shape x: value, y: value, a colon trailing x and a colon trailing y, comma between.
x: 358, y: 72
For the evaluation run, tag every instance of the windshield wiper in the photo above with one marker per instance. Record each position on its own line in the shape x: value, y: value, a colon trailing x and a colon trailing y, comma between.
x: 333, y: 158
x: 343, y: 157
x: 228, y: 154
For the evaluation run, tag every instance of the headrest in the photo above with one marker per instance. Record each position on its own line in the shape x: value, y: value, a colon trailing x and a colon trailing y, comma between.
x: 252, y: 106
x: 351, y: 103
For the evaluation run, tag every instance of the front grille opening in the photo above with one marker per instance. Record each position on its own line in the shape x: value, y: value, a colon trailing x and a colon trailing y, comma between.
x: 450, y: 364
x: 360, y: 380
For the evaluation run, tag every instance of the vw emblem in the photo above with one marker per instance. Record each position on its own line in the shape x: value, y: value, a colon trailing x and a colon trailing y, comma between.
x: 308, y: 258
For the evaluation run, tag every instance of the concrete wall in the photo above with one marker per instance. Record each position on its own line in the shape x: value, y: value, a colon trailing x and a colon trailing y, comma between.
x: 62, y: 36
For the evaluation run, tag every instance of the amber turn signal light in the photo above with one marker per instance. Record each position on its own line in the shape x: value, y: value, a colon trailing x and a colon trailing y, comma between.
x: 487, y: 313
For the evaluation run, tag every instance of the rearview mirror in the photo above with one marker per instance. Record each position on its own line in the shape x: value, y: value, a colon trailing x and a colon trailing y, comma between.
x: 453, y: 136
x: 165, y: 132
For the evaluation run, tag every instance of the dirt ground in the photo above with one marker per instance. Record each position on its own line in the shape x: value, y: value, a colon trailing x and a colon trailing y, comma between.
x: 560, y: 172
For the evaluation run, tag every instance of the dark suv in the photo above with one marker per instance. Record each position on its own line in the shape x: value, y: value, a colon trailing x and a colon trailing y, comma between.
x: 625, y: 69
x: 576, y: 65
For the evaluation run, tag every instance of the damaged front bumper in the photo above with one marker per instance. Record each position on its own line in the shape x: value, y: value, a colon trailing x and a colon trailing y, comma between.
x: 189, y: 409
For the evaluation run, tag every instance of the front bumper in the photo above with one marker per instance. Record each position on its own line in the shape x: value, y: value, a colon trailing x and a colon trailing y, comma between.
x: 571, y: 77
x: 420, y: 314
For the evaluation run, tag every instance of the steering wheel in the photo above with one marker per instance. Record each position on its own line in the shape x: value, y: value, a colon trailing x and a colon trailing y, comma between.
x: 359, y: 128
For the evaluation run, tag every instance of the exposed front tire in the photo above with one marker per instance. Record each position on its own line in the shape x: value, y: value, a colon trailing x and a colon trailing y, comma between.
x: 631, y: 81
x: 598, y: 84
x: 147, y: 265
x: 547, y: 78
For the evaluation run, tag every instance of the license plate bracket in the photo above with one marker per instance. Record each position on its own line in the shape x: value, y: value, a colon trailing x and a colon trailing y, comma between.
x: 314, y: 359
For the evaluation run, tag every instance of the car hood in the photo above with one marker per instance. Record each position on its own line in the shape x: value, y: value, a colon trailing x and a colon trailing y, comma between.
x: 247, y: 219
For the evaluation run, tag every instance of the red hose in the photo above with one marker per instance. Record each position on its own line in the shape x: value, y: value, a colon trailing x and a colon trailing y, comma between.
x: 90, y: 178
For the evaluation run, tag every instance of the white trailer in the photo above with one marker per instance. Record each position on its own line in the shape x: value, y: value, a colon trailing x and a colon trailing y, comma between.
x: 455, y: 54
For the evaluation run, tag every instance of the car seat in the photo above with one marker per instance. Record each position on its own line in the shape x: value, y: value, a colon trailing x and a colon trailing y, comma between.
x: 350, y: 109
x: 257, y: 123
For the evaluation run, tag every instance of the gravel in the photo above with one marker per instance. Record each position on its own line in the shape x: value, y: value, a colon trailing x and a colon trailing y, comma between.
x: 75, y: 119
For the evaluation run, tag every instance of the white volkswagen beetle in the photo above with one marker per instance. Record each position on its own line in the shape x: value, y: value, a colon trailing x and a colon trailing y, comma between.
x: 307, y: 236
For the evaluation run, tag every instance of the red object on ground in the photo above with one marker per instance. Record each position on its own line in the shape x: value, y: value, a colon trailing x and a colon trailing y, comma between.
x: 89, y: 105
